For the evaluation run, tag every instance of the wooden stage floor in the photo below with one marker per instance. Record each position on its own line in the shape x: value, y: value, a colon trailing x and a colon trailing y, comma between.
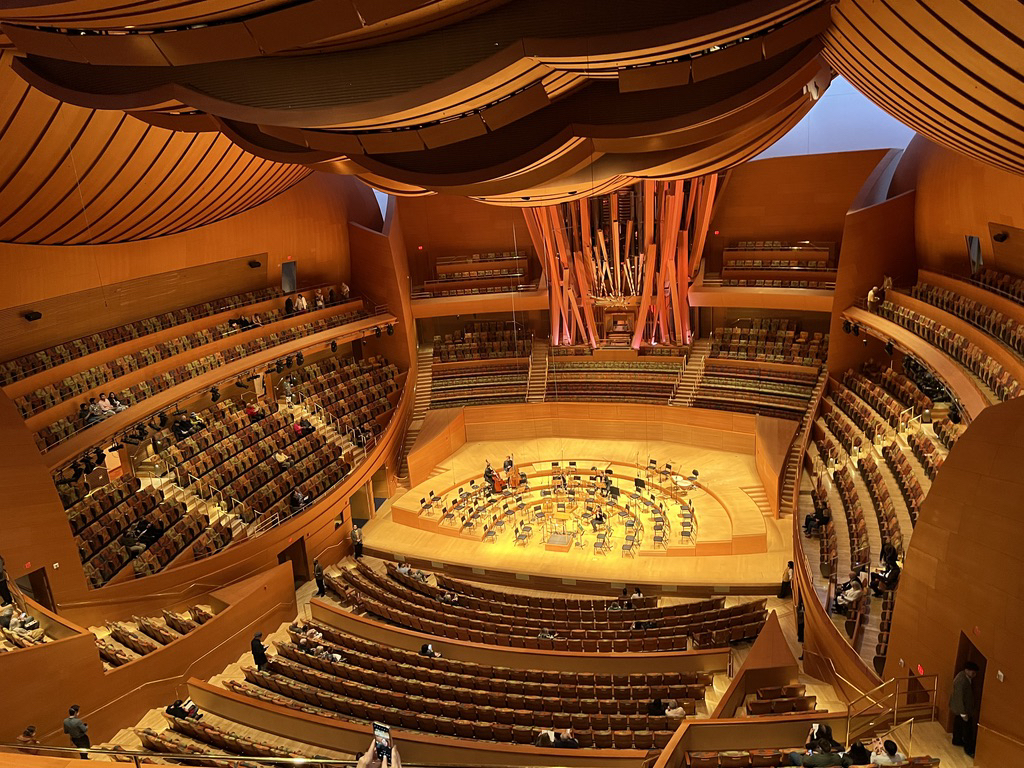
x: 744, y: 549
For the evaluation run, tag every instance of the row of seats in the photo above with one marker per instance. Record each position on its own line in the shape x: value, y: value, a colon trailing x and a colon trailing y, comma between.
x: 526, y: 623
x: 769, y: 758
x: 771, y: 341
x: 356, y: 393
x: 100, y: 501
x: 82, y: 381
x: 1009, y: 330
x: 842, y: 428
x: 561, y: 604
x: 781, y: 394
x: 178, y: 536
x: 638, y: 381
x: 948, y: 431
x: 907, y: 480
x: 860, y: 413
x: 903, y: 389
x: 828, y: 543
x: 169, y: 742
x: 212, y: 540
x: 225, y: 435
x: 411, y: 663
x: 476, y: 290
x: 926, y: 452
x: 742, y: 282
x: 232, y: 743
x: 465, y: 721
x: 769, y: 264
x: 881, y: 500
x: 497, y: 632
x: 959, y: 348
x: 1011, y: 285
x: 30, y: 364
x: 113, y: 523
x: 475, y: 258
x: 125, y: 644
x: 481, y: 346
x: 500, y: 382
x: 876, y: 396
x: 860, y: 546
x: 65, y: 427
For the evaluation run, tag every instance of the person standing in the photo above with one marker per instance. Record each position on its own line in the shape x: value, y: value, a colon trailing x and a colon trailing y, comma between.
x: 259, y: 651
x: 5, y: 589
x: 318, y: 574
x: 961, y: 706
x: 77, y: 730
x: 357, y: 541
x: 786, y: 586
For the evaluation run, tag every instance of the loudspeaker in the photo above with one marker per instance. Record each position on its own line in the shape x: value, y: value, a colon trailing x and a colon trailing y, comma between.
x: 32, y: 315
x: 255, y: 264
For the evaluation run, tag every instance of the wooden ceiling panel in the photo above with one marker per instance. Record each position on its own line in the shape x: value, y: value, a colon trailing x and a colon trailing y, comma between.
x: 949, y: 70
x: 88, y: 177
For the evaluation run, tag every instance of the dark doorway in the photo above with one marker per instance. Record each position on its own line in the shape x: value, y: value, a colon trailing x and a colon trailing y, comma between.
x: 289, y: 276
x: 968, y: 651
x: 36, y: 585
x: 296, y: 555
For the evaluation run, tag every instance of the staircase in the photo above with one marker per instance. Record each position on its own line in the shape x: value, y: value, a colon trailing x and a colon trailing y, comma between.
x: 424, y: 376
x: 537, y: 386
x: 795, y: 456
x: 692, y: 373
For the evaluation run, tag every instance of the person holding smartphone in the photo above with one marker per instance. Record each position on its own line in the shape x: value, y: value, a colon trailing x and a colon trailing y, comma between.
x: 381, y: 753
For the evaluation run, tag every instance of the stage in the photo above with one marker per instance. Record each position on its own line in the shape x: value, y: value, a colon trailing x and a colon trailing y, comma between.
x: 736, y: 545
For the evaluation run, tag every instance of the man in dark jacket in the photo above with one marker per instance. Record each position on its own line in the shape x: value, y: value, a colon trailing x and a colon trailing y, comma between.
x: 77, y: 730
x: 961, y: 706
x: 318, y: 574
x: 259, y: 651
x: 821, y: 755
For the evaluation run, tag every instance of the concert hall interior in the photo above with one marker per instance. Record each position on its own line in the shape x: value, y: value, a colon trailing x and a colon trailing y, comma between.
x: 459, y: 383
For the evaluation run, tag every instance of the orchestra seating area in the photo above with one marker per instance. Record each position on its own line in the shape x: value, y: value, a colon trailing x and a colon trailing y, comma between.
x: 31, y: 364
x: 483, y: 341
x: 959, y: 348
x: 478, y: 273
x: 725, y: 385
x: 631, y: 381
x: 62, y: 427
x: 479, y: 382
x: 773, y: 264
x: 409, y: 603
x: 771, y: 340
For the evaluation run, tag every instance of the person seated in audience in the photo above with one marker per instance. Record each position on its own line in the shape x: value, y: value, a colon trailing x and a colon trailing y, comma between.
x: 816, y: 521
x: 546, y: 634
x: 283, y: 460
x: 96, y: 414
x: 427, y: 649
x: 105, y: 405
x: 6, y: 615
x: 819, y: 754
x: 254, y: 412
x: 614, y: 606
x: 304, y: 646
x: 673, y: 709
x: 821, y: 731
x: 304, y: 427
x: 637, y: 594
x: 318, y: 299
x: 885, y: 579
x: 849, y: 593
x: 298, y: 500
x: 313, y: 634
x: 83, y: 414
x: 178, y: 710
x: 116, y: 403
x: 887, y: 753
x: 565, y: 740
x: 857, y: 754
x: 132, y: 544
x: 405, y: 569
x: 656, y: 708
x: 344, y: 291
x: 26, y: 627
x: 26, y: 739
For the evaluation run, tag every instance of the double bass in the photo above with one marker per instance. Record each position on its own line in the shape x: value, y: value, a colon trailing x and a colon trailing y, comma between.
x: 499, y: 484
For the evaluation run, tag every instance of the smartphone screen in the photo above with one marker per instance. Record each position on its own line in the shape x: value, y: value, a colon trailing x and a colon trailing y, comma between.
x: 382, y: 740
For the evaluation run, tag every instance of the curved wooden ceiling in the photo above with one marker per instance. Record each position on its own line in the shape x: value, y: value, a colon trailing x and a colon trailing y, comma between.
x: 951, y: 70
x: 86, y: 177
x: 503, y: 102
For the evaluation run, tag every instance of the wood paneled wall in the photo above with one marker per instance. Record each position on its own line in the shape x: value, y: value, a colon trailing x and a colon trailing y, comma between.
x: 446, y: 225
x: 959, y: 196
x: 771, y: 446
x: 42, y: 682
x: 877, y: 241
x: 964, y: 575
x: 803, y: 197
x: 306, y: 224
